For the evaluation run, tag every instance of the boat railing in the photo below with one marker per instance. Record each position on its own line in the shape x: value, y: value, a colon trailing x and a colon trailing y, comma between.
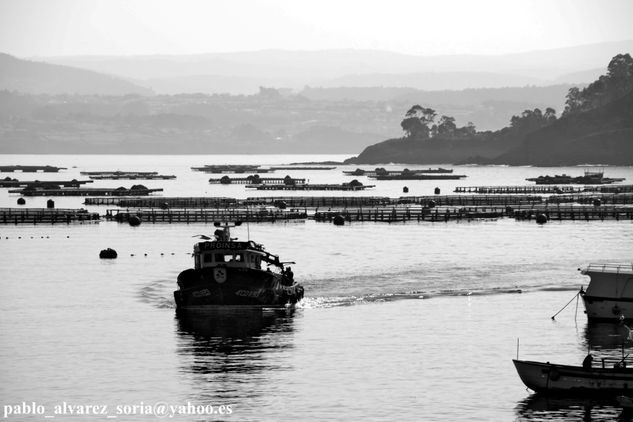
x: 609, y: 268
x: 613, y: 362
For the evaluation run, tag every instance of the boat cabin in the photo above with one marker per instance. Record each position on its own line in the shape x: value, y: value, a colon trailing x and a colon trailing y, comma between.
x: 610, y: 280
x: 233, y: 254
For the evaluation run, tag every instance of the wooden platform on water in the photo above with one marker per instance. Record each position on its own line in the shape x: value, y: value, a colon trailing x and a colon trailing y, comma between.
x: 576, y: 213
x: 14, y: 183
x: 31, y: 169
x: 319, y: 201
x: 393, y: 214
x: 420, y: 177
x: 205, y: 215
x: 591, y: 198
x: 84, y: 191
x: 251, y: 180
x: 472, y: 200
x: 231, y: 168
x: 341, y: 187
x: 132, y: 176
x: 45, y: 216
x: 301, y: 168
x: 160, y: 202
x: 522, y: 189
x: 543, y: 189
x: 411, y: 214
x: 374, y: 172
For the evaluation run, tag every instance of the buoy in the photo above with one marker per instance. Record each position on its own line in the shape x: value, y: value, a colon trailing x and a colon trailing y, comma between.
x: 134, y: 221
x: 509, y: 210
x: 437, y: 191
x: 280, y: 204
x: 597, y: 202
x: 50, y: 204
x: 541, y: 218
x: 164, y: 206
x: 405, y: 189
x: 108, y: 254
x: 21, y: 201
x: 431, y: 204
x: 338, y: 220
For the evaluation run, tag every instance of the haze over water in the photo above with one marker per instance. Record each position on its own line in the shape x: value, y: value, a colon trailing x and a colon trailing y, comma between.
x: 408, y: 321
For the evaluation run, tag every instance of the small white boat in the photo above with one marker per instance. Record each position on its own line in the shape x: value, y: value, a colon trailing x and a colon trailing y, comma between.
x: 609, y: 295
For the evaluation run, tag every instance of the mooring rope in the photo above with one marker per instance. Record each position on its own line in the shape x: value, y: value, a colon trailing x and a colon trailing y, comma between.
x: 561, y: 310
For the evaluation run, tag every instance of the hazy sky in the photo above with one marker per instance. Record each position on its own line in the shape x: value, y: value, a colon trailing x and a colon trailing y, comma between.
x: 115, y: 27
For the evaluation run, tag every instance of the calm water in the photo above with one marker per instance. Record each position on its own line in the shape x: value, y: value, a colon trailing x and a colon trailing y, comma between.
x: 402, y: 321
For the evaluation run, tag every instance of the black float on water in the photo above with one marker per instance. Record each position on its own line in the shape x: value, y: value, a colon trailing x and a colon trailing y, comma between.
x: 338, y: 220
x: 597, y: 202
x: 437, y: 191
x: 541, y: 218
x: 21, y: 201
x: 134, y: 221
x: 50, y: 204
x: 431, y: 204
x: 108, y: 254
x: 405, y: 189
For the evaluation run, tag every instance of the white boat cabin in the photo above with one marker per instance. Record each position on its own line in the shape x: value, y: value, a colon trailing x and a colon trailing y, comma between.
x: 610, y: 280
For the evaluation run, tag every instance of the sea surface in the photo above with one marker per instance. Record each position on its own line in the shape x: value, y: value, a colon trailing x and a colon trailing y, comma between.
x: 407, y: 321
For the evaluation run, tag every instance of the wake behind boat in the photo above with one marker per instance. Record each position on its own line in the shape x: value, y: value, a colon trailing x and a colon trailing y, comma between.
x: 230, y: 273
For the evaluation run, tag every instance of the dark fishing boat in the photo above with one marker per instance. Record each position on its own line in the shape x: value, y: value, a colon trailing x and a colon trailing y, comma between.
x: 231, y: 273
x: 611, y: 377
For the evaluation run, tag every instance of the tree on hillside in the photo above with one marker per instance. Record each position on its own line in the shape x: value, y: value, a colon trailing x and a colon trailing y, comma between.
x: 617, y: 82
x: 446, y: 126
x: 531, y: 120
x: 416, y: 122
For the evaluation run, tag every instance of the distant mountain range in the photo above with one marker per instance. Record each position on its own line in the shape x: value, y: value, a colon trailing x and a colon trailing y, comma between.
x: 244, y: 72
x: 36, y: 78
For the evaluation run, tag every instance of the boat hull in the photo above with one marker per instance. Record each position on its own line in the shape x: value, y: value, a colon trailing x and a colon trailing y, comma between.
x: 213, y: 287
x: 551, y: 378
x: 605, y: 309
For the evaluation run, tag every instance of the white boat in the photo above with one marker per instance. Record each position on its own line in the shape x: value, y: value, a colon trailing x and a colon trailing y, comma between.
x: 609, y: 295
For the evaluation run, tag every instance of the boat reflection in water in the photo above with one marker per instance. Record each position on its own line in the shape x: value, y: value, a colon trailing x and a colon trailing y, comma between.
x: 539, y: 407
x: 229, y: 356
x: 607, y: 335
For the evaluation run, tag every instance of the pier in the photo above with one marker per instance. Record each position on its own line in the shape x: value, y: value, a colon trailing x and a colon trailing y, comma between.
x: 205, y: 215
x: 45, y: 216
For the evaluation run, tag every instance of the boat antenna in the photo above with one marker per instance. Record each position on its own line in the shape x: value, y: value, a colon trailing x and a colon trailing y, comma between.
x: 517, y: 348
